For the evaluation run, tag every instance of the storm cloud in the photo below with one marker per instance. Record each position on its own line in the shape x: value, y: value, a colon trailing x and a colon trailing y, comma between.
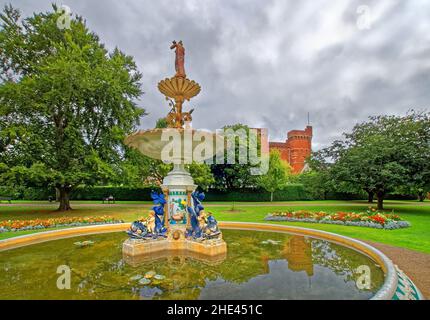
x: 268, y: 63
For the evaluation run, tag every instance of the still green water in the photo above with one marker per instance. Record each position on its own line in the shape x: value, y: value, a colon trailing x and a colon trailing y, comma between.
x: 259, y: 265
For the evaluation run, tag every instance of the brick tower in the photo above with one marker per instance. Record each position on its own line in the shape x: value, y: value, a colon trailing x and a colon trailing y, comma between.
x: 296, y: 149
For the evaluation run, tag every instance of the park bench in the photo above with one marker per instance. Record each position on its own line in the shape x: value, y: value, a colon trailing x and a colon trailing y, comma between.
x: 9, y: 199
x: 109, y: 199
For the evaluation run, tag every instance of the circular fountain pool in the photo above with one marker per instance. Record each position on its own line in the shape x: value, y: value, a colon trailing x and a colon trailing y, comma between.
x: 258, y: 265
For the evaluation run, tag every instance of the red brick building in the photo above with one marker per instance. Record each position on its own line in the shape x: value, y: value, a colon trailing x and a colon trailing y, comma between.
x: 296, y: 148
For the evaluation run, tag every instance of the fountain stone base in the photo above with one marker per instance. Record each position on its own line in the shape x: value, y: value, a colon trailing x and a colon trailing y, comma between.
x: 137, y: 247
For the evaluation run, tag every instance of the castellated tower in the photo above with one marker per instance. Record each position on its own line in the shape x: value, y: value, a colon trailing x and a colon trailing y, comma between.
x: 296, y: 149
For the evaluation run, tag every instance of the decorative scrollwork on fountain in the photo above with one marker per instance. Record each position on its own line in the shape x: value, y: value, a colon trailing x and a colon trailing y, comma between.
x: 153, y: 226
x: 203, y: 224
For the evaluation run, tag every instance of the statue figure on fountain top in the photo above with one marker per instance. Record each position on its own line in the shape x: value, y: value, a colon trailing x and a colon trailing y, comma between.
x: 178, y: 89
x: 179, y: 59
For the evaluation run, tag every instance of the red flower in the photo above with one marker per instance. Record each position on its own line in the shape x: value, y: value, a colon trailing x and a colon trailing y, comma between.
x: 378, y: 219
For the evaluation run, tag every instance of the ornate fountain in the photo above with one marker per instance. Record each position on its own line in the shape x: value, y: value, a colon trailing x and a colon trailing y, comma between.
x: 178, y: 221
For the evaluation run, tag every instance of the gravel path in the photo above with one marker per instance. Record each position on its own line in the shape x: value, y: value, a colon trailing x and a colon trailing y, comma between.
x: 415, y: 264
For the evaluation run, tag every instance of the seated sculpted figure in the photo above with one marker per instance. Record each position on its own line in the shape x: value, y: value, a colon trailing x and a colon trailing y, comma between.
x: 203, y: 225
x: 153, y: 225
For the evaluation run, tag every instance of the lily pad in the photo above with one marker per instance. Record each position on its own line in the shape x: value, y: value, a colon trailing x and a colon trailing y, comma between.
x: 136, y: 277
x: 83, y: 244
x: 270, y: 241
x: 144, y: 281
x: 150, y: 274
x: 159, y: 277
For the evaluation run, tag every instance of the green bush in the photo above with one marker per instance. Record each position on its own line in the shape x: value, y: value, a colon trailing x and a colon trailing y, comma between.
x: 7, y: 192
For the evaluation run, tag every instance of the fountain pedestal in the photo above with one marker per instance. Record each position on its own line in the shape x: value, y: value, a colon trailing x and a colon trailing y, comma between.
x: 177, y: 187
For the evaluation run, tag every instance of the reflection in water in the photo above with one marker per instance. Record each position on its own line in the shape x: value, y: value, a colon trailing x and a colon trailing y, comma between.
x: 171, y: 256
x: 259, y: 265
x: 148, y: 293
x: 298, y: 252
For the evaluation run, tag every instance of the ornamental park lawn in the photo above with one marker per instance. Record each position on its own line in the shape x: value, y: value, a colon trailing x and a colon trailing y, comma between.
x: 417, y: 237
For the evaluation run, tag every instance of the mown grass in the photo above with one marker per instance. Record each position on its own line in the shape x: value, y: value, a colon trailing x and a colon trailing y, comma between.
x: 416, y: 237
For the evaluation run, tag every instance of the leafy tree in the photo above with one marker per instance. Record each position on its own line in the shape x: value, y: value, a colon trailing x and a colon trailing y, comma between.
x: 277, y: 176
x: 201, y: 174
x: 382, y: 155
x: 152, y: 172
x: 161, y: 123
x: 133, y: 170
x: 414, y: 144
x: 66, y: 103
x: 344, y: 176
x: 317, y: 181
x: 237, y: 175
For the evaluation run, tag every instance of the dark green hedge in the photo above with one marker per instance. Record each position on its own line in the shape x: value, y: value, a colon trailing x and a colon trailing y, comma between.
x: 23, y: 193
x: 394, y: 196
x: 120, y: 193
x: 290, y: 193
x: 294, y: 192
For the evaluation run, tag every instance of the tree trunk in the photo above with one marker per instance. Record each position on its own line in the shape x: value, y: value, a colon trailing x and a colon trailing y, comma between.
x: 370, y: 197
x: 64, y: 198
x: 57, y: 194
x: 422, y: 196
x: 370, y: 194
x: 271, y: 196
x: 380, y: 195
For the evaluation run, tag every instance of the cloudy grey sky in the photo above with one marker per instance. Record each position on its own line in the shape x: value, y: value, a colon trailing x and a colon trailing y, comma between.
x: 268, y: 63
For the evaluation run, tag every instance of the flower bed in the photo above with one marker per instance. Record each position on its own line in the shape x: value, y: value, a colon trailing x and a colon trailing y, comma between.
x: 21, y: 225
x: 371, y: 218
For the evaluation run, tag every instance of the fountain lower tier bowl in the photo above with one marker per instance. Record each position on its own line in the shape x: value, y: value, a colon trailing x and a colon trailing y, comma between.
x: 177, y: 145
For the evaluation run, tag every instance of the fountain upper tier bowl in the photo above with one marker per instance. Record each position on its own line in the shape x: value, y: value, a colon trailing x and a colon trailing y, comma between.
x: 181, y: 145
x: 179, y: 88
